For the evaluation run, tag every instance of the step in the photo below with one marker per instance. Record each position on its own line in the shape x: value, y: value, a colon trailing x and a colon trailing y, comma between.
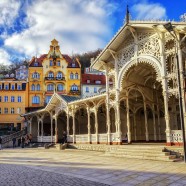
x: 162, y: 158
x: 140, y: 153
x: 134, y: 150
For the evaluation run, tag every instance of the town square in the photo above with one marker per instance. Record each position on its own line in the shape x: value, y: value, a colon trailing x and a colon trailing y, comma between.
x: 92, y: 93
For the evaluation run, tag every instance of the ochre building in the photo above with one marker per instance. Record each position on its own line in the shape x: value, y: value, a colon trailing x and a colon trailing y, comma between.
x: 13, y: 102
x: 53, y: 72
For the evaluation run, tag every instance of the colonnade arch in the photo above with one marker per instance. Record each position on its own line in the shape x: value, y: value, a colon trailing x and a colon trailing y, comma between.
x: 139, y: 107
x: 61, y: 124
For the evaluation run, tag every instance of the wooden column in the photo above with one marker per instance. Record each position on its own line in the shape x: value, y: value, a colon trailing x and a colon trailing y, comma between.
x: 128, y: 121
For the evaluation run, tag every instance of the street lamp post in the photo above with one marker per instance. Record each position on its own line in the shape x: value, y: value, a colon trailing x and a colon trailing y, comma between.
x: 170, y: 29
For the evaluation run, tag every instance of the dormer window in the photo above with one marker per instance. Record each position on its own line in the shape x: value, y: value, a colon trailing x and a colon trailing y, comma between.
x: 36, y: 64
x: 73, y: 64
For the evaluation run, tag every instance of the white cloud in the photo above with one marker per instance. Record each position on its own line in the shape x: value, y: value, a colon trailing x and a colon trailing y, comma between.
x: 8, y: 11
x: 4, y: 57
x: 149, y: 11
x: 78, y: 25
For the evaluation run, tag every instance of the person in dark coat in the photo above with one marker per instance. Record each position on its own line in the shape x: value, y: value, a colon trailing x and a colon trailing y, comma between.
x: 14, y: 142
x: 22, y: 141
x: 0, y: 143
x: 64, y: 139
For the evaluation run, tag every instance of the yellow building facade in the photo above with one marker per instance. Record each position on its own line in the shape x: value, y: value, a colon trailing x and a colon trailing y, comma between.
x: 13, y: 102
x: 53, y: 72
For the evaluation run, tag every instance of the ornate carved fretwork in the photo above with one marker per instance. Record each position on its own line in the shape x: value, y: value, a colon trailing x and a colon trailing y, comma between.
x: 150, y: 46
x: 125, y: 55
x: 144, y: 35
x: 172, y: 75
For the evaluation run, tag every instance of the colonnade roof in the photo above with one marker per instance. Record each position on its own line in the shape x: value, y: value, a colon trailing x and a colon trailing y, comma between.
x: 123, y: 33
x: 57, y: 99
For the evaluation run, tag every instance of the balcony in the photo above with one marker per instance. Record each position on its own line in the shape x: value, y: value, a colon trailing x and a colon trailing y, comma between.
x: 74, y: 92
x: 55, y: 78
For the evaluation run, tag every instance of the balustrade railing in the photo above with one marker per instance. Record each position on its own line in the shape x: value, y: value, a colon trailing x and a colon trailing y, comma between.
x: 8, y: 138
x: 55, y: 78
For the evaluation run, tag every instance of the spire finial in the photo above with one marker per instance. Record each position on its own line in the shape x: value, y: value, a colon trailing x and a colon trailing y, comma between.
x: 127, y: 16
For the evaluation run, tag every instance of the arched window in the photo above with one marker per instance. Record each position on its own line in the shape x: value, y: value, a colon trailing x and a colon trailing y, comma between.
x: 35, y: 75
x: 74, y: 87
x: 59, y: 75
x: 50, y: 87
x: 50, y: 74
x: 38, y: 87
x: 71, y: 75
x: 33, y: 87
x: 35, y: 99
x: 60, y: 87
x: 76, y: 76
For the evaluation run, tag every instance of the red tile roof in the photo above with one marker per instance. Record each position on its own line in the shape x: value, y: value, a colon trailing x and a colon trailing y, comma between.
x: 39, y: 60
x: 69, y: 60
x: 93, y: 78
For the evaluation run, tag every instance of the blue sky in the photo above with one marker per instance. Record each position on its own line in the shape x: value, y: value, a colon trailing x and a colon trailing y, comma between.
x: 28, y: 26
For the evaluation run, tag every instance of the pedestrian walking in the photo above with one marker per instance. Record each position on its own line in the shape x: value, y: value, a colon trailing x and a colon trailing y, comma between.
x: 0, y: 143
x: 22, y: 141
x: 14, y: 142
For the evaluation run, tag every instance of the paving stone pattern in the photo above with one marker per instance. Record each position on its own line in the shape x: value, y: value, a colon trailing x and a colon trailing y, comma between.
x: 51, y: 167
x: 16, y: 175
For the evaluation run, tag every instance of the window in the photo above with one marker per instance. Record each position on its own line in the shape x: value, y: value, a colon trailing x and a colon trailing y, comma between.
x: 0, y: 111
x: 60, y: 87
x: 50, y: 87
x: 36, y: 100
x: 59, y: 75
x: 5, y: 110
x: 95, y: 90
x: 36, y: 64
x: 38, y: 87
x: 0, y: 87
x: 13, y: 87
x: 35, y: 75
x: 50, y: 74
x: 33, y: 87
x: 19, y: 87
x: 87, y: 89
x: 12, y: 98
x: 73, y: 64
x: 76, y: 76
x: 58, y: 63
x: 12, y: 111
x: 0, y: 98
x: 51, y: 63
x: 71, y: 75
x: 6, y: 99
x: 6, y: 87
x: 19, y: 99
x: 19, y: 110
x: 74, y: 87
x: 98, y: 82
x: 47, y: 99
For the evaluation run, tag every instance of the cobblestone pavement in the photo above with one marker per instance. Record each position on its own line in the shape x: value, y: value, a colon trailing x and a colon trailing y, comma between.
x: 18, y: 175
x: 20, y: 167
